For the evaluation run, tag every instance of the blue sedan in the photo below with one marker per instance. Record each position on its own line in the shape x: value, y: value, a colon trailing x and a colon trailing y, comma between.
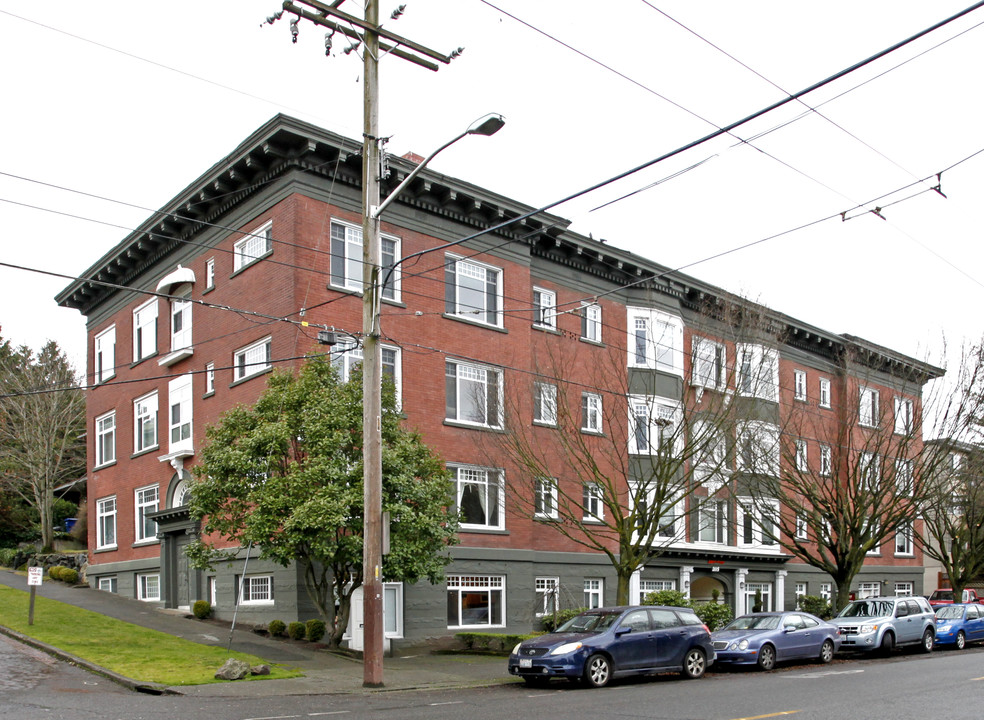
x: 599, y: 645
x: 959, y: 624
x: 764, y: 639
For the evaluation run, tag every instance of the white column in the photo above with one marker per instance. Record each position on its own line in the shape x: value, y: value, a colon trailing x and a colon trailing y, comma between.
x: 740, y: 575
x: 685, y: 579
x: 634, y: 586
x: 780, y: 603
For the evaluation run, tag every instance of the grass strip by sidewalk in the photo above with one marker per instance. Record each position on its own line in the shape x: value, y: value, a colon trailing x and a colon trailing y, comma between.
x: 129, y: 650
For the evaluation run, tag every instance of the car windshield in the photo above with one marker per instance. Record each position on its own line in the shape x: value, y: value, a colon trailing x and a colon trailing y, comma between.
x: 753, y: 622
x: 867, y: 608
x: 942, y: 595
x: 950, y: 612
x: 590, y: 623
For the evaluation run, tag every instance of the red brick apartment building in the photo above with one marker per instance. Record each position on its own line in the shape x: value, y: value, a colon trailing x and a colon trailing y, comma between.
x: 525, y: 317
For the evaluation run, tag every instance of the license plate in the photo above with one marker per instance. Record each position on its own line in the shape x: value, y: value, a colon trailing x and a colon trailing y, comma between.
x: 525, y: 663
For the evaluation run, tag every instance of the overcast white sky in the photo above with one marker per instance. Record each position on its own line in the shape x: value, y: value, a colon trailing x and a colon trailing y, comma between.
x: 132, y: 102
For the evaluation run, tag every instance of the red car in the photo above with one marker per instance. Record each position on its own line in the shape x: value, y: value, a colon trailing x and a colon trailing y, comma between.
x: 944, y: 596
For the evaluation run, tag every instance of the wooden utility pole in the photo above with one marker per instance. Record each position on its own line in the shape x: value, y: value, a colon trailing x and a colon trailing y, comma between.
x: 368, y: 35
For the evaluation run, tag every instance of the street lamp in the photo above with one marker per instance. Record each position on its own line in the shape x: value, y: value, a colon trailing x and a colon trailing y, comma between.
x: 372, y: 439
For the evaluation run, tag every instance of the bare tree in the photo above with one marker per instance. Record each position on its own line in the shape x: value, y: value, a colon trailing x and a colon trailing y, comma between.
x: 42, y: 425
x: 612, y: 462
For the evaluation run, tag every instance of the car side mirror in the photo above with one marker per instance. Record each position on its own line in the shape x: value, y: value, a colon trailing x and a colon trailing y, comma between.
x: 788, y: 628
x: 622, y: 631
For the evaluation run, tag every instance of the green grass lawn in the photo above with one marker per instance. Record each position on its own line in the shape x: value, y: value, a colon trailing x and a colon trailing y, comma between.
x: 130, y: 650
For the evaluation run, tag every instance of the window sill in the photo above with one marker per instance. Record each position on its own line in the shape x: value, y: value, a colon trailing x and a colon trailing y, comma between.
x: 208, y: 394
x: 105, y: 380
x: 176, y: 356
x: 483, y: 530
x: 476, y: 323
x: 207, y: 290
x: 547, y: 329
x: 589, y: 341
x: 546, y: 518
x: 258, y: 373
x: 106, y: 549
x: 396, y: 302
x: 544, y: 423
x: 149, y: 356
x: 104, y: 466
x: 145, y: 451
x: 251, y: 263
x: 145, y: 543
x: 823, y: 407
x: 597, y: 433
x: 471, y: 426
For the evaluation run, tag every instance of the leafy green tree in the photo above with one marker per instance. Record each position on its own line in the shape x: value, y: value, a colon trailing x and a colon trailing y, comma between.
x: 42, y: 426
x: 285, y: 476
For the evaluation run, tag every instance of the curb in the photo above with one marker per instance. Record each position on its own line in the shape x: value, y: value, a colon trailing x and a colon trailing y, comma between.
x: 130, y: 683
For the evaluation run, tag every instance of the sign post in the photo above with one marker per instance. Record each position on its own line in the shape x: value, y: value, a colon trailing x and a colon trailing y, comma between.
x: 35, y: 575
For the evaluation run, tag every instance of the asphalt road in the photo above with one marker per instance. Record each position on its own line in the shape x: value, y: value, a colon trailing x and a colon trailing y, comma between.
x: 945, y: 684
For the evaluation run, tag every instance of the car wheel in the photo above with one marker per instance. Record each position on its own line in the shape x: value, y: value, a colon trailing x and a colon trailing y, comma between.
x: 928, y: 640
x: 826, y: 652
x: 597, y: 671
x: 767, y: 657
x: 887, y: 643
x: 961, y: 640
x: 536, y: 681
x: 694, y: 663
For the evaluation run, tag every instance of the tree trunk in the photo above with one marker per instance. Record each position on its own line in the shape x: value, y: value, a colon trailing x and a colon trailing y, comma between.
x: 622, y: 590
x: 843, y: 593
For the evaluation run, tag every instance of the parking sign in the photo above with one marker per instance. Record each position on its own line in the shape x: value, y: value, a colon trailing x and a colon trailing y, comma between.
x: 34, y: 575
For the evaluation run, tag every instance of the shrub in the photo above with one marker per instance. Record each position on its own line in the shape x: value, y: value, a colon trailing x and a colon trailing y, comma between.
x: 713, y: 614
x: 202, y: 609
x: 276, y: 628
x: 672, y: 598
x: 296, y: 631
x: 55, y: 571
x: 7, y: 556
x: 492, y: 642
x: 69, y: 575
x: 562, y: 616
x: 816, y: 606
x: 314, y: 630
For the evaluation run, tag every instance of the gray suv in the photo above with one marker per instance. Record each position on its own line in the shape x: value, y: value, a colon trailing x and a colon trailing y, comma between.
x: 881, y: 623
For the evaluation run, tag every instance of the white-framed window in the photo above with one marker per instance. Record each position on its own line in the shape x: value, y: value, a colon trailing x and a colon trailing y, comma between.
x: 904, y: 589
x: 868, y: 406
x: 209, y: 378
x: 825, y: 591
x: 106, y: 522
x: 824, y: 400
x: 801, y: 526
x: 253, y: 246
x: 347, y: 355
x: 473, y: 394
x: 650, y: 424
x: 591, y: 412
x: 106, y: 439
x: 655, y: 340
x: 212, y: 591
x: 757, y: 448
x: 346, y: 259
x: 651, y: 586
x: 104, y: 354
x: 145, y: 330
x: 825, y: 460
x: 545, y: 498
x: 149, y: 587
x: 710, y: 446
x: 869, y: 471
x: 903, y: 416
x: 799, y: 385
x: 476, y: 601
x: 801, y: 592
x: 760, y: 591
x: 591, y: 322
x: 473, y: 290
x: 544, y: 308
x: 210, y: 273
x: 544, y: 403
x: 547, y: 589
x: 179, y: 398
x: 904, y: 476
x: 757, y: 371
x: 393, y: 610
x: 480, y: 497
x: 252, y: 359
x: 713, y: 522
x: 145, y: 423
x: 145, y: 500
x: 903, y: 539
x: 710, y: 368
x: 594, y: 593
x: 757, y: 522
x: 592, y: 503
x: 256, y: 590
x: 180, y: 324
x: 868, y: 590
x: 802, y: 458
x: 108, y: 583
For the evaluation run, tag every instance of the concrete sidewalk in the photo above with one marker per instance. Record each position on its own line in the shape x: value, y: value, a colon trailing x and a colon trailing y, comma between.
x: 324, y: 673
